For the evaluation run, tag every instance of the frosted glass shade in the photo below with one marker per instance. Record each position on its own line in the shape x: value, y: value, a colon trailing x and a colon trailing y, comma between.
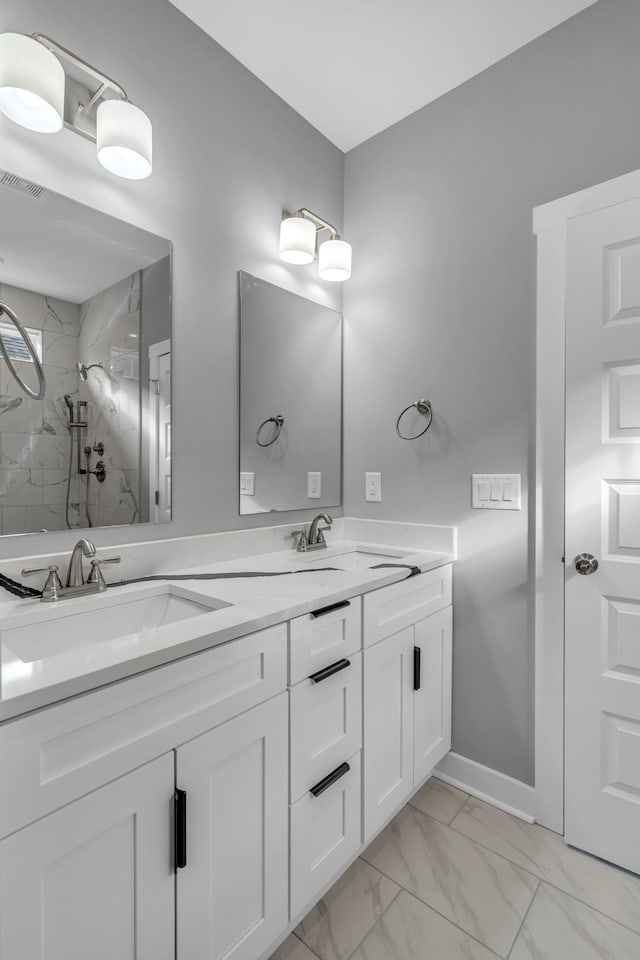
x: 297, y: 240
x: 124, y: 139
x: 31, y: 84
x: 334, y: 260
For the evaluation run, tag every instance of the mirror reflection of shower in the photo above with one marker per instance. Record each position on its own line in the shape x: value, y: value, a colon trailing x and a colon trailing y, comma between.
x: 78, y: 424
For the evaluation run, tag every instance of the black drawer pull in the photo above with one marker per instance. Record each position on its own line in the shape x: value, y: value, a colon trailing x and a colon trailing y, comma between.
x: 330, y: 780
x: 334, y: 606
x: 180, y: 827
x: 417, y: 663
x: 329, y: 671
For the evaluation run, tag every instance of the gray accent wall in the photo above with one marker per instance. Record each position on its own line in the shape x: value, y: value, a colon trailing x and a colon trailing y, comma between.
x: 229, y: 155
x: 442, y: 305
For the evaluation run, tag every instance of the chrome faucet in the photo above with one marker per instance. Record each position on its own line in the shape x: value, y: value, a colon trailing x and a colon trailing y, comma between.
x: 76, y: 585
x: 313, y: 538
x: 75, y: 573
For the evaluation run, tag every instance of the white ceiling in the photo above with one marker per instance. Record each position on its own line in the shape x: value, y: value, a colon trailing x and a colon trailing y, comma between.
x: 354, y: 67
x: 65, y: 250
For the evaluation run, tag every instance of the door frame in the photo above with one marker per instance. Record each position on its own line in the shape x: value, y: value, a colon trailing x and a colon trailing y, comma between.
x: 550, y: 224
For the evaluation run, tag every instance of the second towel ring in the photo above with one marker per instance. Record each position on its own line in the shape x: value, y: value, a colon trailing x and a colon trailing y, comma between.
x: 422, y: 406
x: 278, y: 421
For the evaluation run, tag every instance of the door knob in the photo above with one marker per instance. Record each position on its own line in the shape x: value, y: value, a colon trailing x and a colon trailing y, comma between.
x: 586, y: 563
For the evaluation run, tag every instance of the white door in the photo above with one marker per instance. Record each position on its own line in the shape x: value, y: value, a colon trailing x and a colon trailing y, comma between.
x: 160, y: 431
x: 232, y: 896
x: 388, y: 728
x: 95, y: 879
x: 432, y: 705
x: 602, y: 738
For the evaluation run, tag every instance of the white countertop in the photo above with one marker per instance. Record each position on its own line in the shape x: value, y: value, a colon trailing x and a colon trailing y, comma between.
x: 252, y: 604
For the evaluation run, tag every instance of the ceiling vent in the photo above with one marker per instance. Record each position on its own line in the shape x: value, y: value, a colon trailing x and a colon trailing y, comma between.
x: 24, y: 186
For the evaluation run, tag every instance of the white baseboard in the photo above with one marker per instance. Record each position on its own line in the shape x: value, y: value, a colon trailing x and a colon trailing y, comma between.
x: 513, y: 796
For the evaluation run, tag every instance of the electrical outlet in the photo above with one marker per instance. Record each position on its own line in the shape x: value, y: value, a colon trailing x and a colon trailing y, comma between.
x: 247, y: 484
x: 373, y: 487
x: 314, y: 486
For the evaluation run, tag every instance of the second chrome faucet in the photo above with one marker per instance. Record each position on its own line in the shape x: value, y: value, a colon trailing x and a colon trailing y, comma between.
x: 313, y: 538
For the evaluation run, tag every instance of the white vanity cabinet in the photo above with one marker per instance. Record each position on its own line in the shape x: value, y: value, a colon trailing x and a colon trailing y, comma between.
x: 94, y: 879
x: 407, y: 690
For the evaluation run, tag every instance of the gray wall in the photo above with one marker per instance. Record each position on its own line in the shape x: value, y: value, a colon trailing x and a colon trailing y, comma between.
x: 442, y: 305
x: 229, y: 155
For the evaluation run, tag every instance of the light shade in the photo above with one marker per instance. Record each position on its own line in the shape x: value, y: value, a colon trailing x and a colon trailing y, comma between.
x: 124, y: 139
x: 334, y: 260
x: 31, y: 84
x: 297, y: 240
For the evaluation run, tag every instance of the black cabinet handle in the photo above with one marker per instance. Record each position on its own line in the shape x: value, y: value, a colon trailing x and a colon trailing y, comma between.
x: 180, y: 827
x: 334, y: 606
x: 330, y: 779
x: 321, y: 675
x: 417, y: 662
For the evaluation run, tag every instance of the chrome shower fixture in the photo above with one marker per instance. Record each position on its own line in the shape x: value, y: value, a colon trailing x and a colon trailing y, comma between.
x: 83, y: 370
x: 44, y: 86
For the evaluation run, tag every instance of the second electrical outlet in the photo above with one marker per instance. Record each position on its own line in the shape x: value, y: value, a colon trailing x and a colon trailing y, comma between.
x: 373, y: 487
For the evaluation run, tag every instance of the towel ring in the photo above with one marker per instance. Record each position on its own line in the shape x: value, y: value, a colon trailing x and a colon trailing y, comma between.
x: 42, y: 383
x: 422, y: 406
x: 278, y: 420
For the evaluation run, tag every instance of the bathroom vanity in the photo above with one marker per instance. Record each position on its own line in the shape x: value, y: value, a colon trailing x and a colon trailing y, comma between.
x: 199, y: 808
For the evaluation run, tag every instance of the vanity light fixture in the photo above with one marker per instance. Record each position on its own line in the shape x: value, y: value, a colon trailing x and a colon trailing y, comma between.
x: 299, y: 234
x: 37, y: 93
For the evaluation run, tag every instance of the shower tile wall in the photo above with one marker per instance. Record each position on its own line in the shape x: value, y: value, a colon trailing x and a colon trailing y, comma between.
x: 34, y: 436
x: 110, y: 334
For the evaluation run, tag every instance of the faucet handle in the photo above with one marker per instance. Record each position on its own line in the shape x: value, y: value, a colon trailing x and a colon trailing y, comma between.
x: 300, y: 537
x: 52, y: 584
x: 96, y: 575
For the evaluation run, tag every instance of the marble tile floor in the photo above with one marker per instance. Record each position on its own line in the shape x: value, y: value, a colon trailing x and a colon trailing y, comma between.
x: 453, y: 878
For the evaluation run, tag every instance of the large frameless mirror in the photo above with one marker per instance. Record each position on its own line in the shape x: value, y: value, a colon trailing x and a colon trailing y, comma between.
x: 290, y: 400
x: 85, y: 365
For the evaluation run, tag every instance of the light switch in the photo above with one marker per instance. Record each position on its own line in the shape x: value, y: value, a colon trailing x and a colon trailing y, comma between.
x: 247, y: 484
x: 498, y: 491
x: 483, y: 491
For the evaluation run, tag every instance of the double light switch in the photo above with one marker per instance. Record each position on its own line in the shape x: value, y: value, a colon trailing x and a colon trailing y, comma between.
x: 498, y: 491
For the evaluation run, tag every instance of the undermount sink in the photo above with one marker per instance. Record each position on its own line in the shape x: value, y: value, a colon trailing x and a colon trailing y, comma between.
x: 353, y: 558
x: 87, y: 621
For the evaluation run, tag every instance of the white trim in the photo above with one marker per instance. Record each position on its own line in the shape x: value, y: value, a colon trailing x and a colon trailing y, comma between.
x: 557, y: 212
x: 550, y: 224
x: 159, y: 349
x: 501, y: 791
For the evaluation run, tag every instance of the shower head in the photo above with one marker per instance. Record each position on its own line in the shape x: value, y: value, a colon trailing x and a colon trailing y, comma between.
x: 83, y: 370
x: 69, y: 402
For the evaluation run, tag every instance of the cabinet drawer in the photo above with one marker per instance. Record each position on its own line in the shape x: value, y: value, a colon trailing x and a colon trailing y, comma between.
x: 400, y: 605
x: 319, y: 639
x: 325, y: 836
x: 58, y: 754
x: 326, y: 723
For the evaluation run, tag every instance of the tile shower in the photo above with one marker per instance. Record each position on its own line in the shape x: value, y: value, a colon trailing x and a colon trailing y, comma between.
x: 35, y: 436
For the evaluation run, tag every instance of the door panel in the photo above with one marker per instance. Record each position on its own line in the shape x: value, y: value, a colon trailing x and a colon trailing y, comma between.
x: 432, y: 723
x: 95, y: 879
x: 602, y: 783
x: 232, y: 895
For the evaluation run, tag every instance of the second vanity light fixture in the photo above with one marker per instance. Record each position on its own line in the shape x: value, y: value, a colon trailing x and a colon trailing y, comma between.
x: 299, y: 233
x: 37, y: 93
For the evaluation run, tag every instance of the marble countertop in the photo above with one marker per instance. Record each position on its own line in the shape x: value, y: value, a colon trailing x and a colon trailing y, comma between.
x: 247, y: 605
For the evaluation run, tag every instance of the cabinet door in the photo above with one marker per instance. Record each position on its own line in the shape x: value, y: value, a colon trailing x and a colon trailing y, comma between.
x: 388, y: 728
x: 432, y: 723
x: 95, y: 879
x: 232, y: 895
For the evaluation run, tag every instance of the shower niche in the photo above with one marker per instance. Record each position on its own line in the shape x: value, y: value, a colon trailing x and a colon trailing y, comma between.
x: 85, y: 372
